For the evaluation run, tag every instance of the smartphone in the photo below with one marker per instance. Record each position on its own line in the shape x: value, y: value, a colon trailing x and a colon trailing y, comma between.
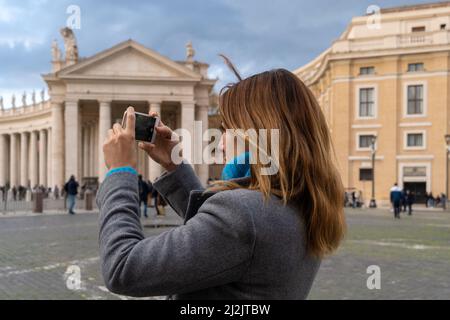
x: 144, y: 126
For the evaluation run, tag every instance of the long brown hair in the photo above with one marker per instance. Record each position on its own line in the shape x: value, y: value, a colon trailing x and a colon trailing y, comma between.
x: 307, y: 176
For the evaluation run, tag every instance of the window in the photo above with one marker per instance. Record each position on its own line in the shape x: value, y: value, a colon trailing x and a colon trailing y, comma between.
x: 415, y: 100
x: 443, y: 26
x: 418, y: 29
x: 365, y: 141
x: 414, y: 140
x: 365, y: 174
x: 366, y: 102
x: 366, y: 70
x: 414, y: 67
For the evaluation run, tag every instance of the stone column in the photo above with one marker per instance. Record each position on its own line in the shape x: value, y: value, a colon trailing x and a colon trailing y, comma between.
x: 43, y: 157
x: 72, y: 127
x: 13, y: 161
x: 57, y: 145
x: 24, y: 159
x: 3, y: 160
x: 92, y: 149
x: 49, y: 159
x: 154, y: 169
x: 104, y: 124
x: 34, y: 159
x: 202, y: 168
x: 86, y: 149
x: 187, y: 123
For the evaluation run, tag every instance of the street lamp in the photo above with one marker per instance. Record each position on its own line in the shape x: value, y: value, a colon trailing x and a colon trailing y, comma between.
x: 373, y: 203
x: 447, y: 152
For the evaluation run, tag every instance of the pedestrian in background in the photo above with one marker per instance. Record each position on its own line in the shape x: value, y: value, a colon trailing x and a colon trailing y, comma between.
x: 144, y: 190
x: 71, y: 190
x: 396, y: 198
x: 410, y: 198
x: 404, y: 202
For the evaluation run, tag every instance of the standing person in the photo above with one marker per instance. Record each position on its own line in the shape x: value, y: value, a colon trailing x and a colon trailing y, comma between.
x: 431, y: 200
x: 71, y: 190
x: 144, y: 190
x: 396, y: 198
x: 410, y: 198
x: 444, y: 201
x: 56, y: 192
x: 404, y: 203
x: 226, y: 247
x: 354, y: 199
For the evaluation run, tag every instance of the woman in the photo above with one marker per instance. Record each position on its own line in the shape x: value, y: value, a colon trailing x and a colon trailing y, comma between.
x: 255, y: 237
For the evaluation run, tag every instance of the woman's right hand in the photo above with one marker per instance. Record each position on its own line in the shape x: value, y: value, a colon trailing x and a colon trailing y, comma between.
x: 161, y: 150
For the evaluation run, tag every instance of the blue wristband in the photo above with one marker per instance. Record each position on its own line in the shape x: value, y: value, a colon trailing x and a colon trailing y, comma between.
x: 121, y: 169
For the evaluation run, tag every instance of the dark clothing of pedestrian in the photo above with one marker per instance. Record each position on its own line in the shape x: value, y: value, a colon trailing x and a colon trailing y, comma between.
x: 396, y: 198
x: 71, y: 189
x: 144, y: 190
x: 410, y: 199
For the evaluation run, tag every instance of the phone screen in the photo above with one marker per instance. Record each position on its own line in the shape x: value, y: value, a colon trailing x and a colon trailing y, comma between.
x: 145, y: 125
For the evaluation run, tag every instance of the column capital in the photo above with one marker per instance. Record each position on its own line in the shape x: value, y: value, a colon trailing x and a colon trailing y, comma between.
x: 104, y: 102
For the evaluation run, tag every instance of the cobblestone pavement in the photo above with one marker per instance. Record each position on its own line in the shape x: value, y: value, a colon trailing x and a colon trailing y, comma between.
x: 413, y: 254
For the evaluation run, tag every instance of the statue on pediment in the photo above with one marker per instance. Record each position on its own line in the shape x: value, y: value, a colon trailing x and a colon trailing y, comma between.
x: 70, y: 44
x: 56, y: 53
x: 42, y: 95
x: 24, y: 99
x: 33, y: 97
x: 13, y: 101
x: 190, y: 52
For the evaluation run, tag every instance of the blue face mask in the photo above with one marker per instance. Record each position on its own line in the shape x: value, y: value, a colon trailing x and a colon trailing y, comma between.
x: 239, y: 167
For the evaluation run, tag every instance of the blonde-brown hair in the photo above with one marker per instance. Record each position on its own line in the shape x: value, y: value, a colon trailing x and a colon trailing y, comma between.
x: 307, y: 175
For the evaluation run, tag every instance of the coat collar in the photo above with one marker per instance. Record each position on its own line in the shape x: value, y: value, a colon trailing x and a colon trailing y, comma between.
x: 198, y: 197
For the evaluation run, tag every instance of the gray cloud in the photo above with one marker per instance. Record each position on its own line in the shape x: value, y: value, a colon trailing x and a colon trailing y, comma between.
x: 256, y: 34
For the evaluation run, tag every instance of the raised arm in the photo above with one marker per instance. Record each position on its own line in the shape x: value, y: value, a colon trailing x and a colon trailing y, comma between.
x: 175, y: 187
x: 213, y: 248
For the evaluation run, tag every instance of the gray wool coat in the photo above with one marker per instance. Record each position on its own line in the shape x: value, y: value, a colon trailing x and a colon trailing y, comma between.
x: 233, y: 245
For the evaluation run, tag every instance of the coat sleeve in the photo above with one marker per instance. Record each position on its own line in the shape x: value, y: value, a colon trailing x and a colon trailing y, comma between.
x: 176, y: 186
x: 211, y: 249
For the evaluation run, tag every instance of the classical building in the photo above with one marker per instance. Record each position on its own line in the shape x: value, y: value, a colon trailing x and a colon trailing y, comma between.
x: 44, y: 143
x: 388, y: 76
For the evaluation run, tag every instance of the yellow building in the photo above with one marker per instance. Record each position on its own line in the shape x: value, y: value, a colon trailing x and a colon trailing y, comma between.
x: 388, y: 76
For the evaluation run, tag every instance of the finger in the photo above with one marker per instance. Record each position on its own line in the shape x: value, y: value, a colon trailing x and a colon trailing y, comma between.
x: 164, y: 131
x: 153, y: 113
x: 117, y: 128
x: 131, y: 118
x: 110, y: 134
x: 146, y: 146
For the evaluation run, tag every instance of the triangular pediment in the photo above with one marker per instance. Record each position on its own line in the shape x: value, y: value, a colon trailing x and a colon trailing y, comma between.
x: 129, y: 60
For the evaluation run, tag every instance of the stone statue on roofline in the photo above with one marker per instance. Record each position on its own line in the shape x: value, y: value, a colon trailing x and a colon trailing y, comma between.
x: 56, y: 53
x: 70, y: 45
x: 190, y: 52
x: 24, y: 99
x: 13, y: 101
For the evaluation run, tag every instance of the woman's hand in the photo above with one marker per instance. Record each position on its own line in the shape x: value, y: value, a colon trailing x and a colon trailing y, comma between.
x: 119, y: 148
x: 161, y: 150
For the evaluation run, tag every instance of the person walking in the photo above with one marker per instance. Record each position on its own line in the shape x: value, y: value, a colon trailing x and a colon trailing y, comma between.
x: 144, y: 190
x: 226, y: 248
x: 396, y: 198
x: 410, y: 198
x: 71, y: 190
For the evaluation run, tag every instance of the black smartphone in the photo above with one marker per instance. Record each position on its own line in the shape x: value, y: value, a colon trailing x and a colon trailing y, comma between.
x: 144, y: 126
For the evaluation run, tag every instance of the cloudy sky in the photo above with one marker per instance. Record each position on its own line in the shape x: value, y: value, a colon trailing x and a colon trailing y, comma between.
x: 256, y: 34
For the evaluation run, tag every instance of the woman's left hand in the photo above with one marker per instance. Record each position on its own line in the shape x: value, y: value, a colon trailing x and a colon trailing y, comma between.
x: 119, y: 149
